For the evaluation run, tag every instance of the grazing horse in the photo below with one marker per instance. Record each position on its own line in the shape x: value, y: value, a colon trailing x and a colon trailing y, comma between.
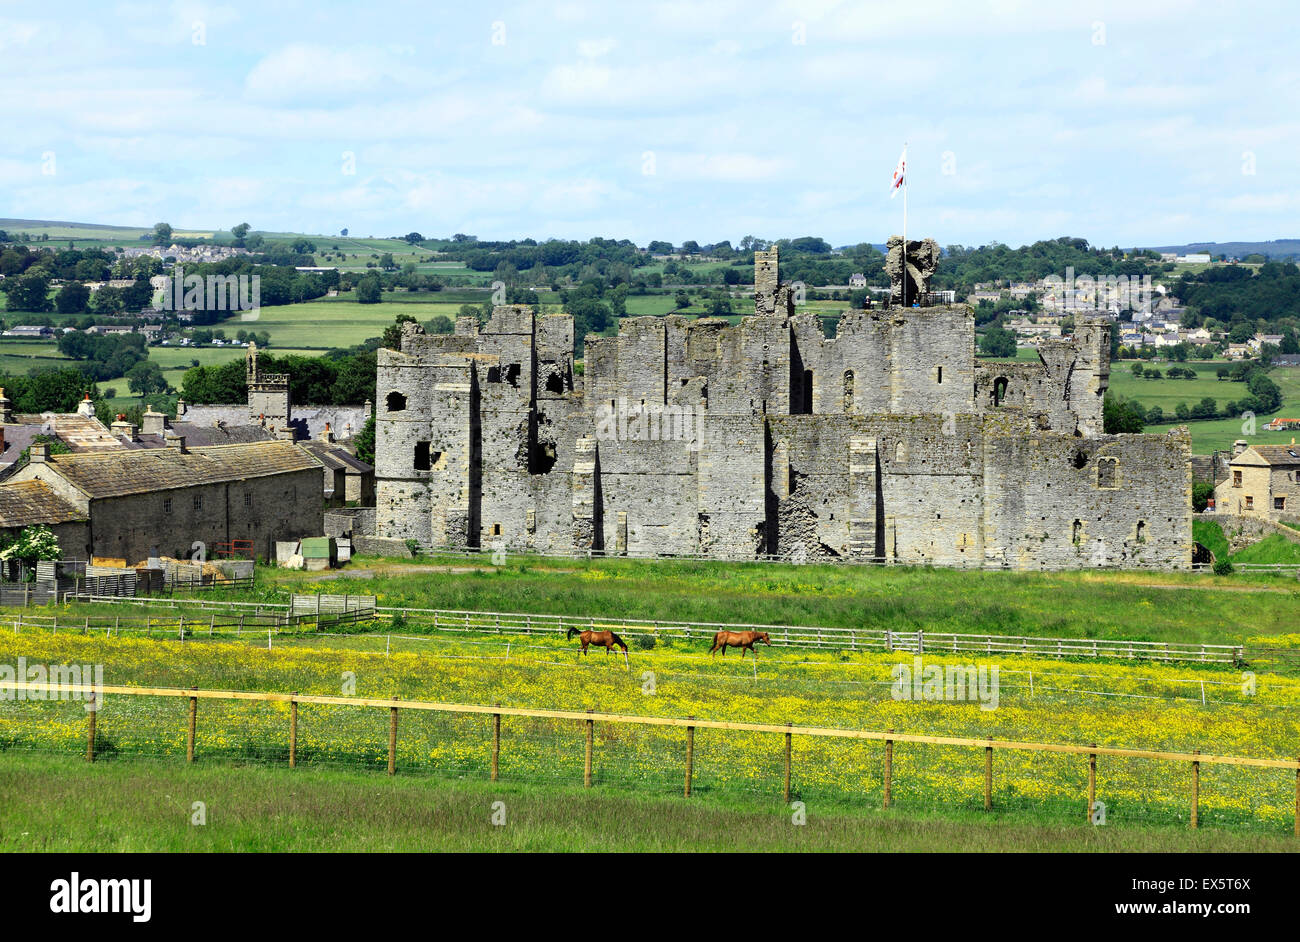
x: 738, y: 639
x: 605, y: 639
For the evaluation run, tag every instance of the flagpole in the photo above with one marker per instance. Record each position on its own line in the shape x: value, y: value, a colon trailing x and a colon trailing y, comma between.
x: 905, y: 176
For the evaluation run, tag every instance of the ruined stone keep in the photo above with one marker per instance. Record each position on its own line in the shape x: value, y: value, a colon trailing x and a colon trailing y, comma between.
x: 887, y: 442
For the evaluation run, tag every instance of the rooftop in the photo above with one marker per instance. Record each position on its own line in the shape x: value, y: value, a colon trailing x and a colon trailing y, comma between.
x: 141, y: 471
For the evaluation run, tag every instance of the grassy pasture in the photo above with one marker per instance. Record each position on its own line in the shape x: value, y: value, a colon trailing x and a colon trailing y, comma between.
x: 143, y: 806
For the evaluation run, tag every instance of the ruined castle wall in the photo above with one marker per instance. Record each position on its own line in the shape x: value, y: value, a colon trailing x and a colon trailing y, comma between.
x: 1055, y: 501
x: 931, y: 360
x: 732, y: 503
x: 919, y: 501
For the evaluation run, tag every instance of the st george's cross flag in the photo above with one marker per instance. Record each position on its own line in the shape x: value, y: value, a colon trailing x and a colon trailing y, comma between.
x: 899, y: 173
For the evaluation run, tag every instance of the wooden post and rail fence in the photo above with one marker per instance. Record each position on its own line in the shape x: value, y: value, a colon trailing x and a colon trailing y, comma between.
x: 689, y: 724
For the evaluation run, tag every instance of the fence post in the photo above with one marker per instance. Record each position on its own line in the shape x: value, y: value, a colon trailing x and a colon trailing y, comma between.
x: 988, y: 777
x: 690, y: 764
x: 586, y: 768
x: 189, y: 736
x: 889, y: 767
x: 90, y: 731
x: 1092, y: 783
x: 293, y: 731
x: 1196, y: 789
x: 392, y: 734
x: 496, y: 744
x: 787, y: 766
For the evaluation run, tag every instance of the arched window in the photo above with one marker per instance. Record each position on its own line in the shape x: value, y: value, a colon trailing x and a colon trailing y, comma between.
x: 848, y: 390
x: 999, y: 390
x: 395, y: 402
x: 1078, y: 532
x: 900, y: 451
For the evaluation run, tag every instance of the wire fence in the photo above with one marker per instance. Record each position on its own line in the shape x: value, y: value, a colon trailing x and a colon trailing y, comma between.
x: 848, y: 639
x: 625, y: 750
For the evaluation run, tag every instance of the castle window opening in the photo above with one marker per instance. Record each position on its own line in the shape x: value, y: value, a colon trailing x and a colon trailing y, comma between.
x: 848, y: 390
x: 512, y: 374
x: 395, y: 402
x: 1080, y: 458
x: 555, y: 383
x: 1142, y: 531
x: 1078, y: 532
x: 198, y: 501
x: 939, y: 374
x: 999, y: 390
x: 423, y: 456
x: 1279, y: 503
x: 1108, y: 472
x: 496, y: 529
x: 167, y: 505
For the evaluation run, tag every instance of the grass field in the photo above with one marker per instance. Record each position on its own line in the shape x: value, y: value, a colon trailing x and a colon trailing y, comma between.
x: 937, y: 791
x: 1179, y: 707
x: 50, y: 803
x: 1132, y: 605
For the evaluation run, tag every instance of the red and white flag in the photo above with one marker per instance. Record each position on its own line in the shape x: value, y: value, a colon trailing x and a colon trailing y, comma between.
x: 900, y: 173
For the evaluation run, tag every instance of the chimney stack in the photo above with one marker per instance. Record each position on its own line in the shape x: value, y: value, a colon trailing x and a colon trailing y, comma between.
x: 122, y: 427
x: 1239, y: 446
x: 329, y: 434
x: 39, y: 453
x: 179, y: 441
x: 6, y: 408
x: 180, y: 408
x: 155, y: 423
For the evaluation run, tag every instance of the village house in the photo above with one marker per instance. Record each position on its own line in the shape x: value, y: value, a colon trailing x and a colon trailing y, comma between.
x: 1262, y: 482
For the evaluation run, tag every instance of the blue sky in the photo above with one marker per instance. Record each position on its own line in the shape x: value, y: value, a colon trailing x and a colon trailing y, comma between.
x: 1124, y: 123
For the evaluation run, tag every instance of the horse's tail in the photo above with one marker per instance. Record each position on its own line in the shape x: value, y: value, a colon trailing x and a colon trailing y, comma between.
x: 619, y: 641
x: 572, y: 632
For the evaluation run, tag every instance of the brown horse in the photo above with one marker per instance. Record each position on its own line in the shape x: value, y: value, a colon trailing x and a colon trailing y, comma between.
x: 738, y: 639
x: 602, y: 639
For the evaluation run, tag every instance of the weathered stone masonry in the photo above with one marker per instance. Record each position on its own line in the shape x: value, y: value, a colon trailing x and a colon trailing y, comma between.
x: 887, y: 442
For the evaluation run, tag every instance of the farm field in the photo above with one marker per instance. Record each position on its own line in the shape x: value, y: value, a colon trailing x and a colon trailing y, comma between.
x: 55, y: 803
x: 1151, y: 606
x: 1127, y: 705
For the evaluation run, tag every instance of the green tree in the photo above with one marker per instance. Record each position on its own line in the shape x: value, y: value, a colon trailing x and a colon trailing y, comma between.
x: 1120, y: 415
x: 162, y: 234
x: 370, y: 289
x: 365, y: 441
x: 146, y: 378
x: 240, y: 232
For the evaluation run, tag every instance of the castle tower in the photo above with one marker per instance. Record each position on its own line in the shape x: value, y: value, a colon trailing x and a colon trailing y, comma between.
x: 268, y: 393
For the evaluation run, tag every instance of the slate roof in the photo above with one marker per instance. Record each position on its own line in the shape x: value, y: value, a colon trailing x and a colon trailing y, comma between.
x: 1283, y: 455
x: 30, y: 502
x: 140, y: 471
x: 336, y: 457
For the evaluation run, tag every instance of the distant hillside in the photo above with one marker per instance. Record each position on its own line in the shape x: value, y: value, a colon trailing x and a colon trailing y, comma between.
x: 1277, y: 250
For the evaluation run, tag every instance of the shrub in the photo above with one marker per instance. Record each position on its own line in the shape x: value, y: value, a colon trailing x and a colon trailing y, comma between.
x: 1222, y: 567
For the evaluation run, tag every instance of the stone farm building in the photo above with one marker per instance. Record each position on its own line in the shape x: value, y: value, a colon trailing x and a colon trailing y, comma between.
x: 886, y: 442
x: 134, y: 503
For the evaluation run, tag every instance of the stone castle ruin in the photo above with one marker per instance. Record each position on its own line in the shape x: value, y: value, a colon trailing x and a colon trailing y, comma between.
x: 887, y: 442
